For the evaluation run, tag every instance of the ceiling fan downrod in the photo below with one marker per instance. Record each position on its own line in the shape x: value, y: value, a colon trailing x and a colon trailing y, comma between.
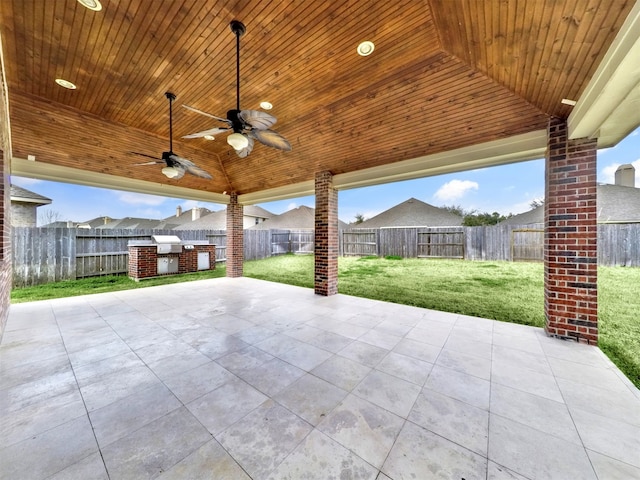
x: 238, y: 28
x: 171, y: 97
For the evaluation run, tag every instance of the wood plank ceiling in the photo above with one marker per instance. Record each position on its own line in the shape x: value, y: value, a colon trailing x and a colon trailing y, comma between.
x: 445, y: 74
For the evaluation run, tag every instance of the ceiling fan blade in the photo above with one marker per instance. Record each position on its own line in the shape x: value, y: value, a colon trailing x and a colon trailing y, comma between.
x: 247, y: 150
x: 257, y: 119
x: 211, y: 131
x: 271, y: 139
x: 183, y: 164
x: 150, y: 163
x: 155, y: 157
x: 206, y: 114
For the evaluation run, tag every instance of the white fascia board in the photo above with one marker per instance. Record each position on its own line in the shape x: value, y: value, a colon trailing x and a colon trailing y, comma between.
x: 528, y: 146
x: 29, y: 200
x: 294, y: 190
x: 514, y: 149
x: 45, y: 171
x: 613, y: 84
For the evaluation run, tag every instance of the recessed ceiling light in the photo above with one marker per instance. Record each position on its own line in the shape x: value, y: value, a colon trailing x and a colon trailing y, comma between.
x: 566, y: 101
x: 65, y: 83
x: 94, y: 5
x: 266, y: 105
x: 209, y: 137
x: 366, y: 48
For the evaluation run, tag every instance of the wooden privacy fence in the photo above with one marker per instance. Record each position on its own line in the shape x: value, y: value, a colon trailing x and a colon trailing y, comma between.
x: 291, y: 241
x: 527, y: 244
x: 42, y: 255
x: 618, y: 244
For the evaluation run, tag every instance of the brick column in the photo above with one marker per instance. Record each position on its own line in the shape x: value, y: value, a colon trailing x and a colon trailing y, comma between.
x: 235, y: 237
x: 326, y: 236
x: 570, y: 236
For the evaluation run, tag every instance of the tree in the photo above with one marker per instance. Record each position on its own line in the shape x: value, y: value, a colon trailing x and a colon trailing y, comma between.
x: 359, y: 218
x: 47, y: 216
x: 473, y: 218
x: 538, y: 202
x: 455, y: 209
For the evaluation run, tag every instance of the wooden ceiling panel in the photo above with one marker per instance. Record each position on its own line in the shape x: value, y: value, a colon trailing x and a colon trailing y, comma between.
x: 542, y: 50
x: 444, y: 74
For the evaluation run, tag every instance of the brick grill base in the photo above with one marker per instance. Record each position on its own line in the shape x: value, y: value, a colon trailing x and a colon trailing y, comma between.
x: 143, y: 260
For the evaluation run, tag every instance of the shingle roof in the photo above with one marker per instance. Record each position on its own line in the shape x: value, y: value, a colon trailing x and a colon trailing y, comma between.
x: 615, y: 204
x: 218, y: 220
x: 130, y: 223
x: 300, y: 218
x: 19, y: 194
x: 185, y: 217
x: 212, y: 221
x: 256, y: 211
x: 618, y: 204
x: 412, y: 213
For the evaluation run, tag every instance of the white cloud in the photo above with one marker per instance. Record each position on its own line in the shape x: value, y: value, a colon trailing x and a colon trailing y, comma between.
x: 291, y: 206
x: 608, y: 173
x: 455, y: 189
x: 131, y: 198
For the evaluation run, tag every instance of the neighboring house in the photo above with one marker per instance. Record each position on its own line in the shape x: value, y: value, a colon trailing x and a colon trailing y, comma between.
x: 619, y: 203
x: 24, y: 204
x: 615, y: 204
x: 96, y: 222
x: 181, y: 218
x: 252, y: 215
x: 300, y: 218
x: 412, y: 213
x: 130, y: 223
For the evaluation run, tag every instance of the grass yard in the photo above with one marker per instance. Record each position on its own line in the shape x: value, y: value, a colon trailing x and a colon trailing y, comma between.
x: 107, y: 283
x: 506, y: 291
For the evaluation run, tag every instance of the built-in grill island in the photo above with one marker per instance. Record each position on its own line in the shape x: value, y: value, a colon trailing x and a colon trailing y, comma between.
x: 167, y: 255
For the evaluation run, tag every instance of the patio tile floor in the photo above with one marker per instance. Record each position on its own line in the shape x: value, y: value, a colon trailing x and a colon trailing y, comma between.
x: 247, y: 379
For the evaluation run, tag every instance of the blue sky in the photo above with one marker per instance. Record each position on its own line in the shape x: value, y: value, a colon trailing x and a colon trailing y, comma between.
x: 505, y: 189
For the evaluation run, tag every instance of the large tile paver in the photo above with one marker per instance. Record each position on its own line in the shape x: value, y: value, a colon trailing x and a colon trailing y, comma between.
x: 364, y: 428
x: 246, y: 379
x: 264, y: 438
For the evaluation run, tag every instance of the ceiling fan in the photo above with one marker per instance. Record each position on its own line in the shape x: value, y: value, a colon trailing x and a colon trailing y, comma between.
x: 247, y: 125
x: 176, y: 166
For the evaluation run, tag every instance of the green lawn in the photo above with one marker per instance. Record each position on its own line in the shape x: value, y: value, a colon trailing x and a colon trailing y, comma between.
x: 107, y: 283
x: 506, y: 291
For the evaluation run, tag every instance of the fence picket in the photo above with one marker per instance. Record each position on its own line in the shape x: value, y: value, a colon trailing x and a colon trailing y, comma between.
x: 42, y: 255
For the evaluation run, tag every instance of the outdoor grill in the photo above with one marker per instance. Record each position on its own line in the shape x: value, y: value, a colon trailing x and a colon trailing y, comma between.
x: 168, y: 254
x: 167, y: 244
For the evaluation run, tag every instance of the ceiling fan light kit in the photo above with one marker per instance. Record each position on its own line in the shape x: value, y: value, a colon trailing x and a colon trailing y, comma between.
x: 170, y: 172
x: 175, y: 166
x: 245, y: 126
x: 237, y: 141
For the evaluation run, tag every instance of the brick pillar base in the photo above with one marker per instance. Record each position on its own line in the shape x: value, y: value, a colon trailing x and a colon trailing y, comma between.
x: 571, y: 235
x: 326, y: 236
x: 235, y: 237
